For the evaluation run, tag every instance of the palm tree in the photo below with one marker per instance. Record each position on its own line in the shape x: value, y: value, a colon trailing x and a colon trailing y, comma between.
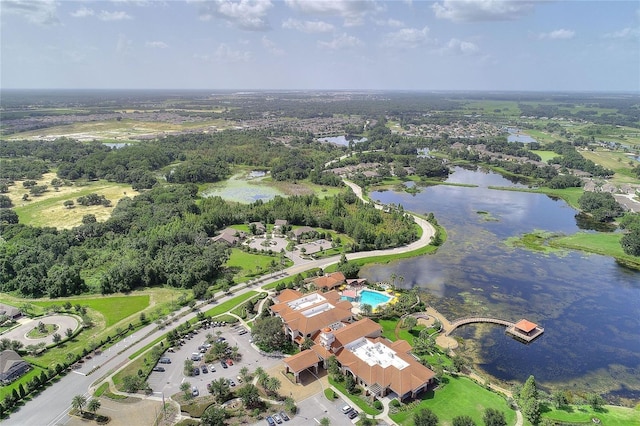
x: 185, y: 387
x: 78, y: 402
x: 220, y: 389
x: 244, y: 374
x: 93, y: 405
x: 272, y: 384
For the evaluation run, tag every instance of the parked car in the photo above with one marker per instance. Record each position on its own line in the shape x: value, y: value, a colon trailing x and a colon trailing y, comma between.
x: 352, y: 414
x: 284, y: 416
x: 271, y: 421
x: 194, y: 391
x: 277, y: 418
x: 196, y: 371
x: 212, y: 368
x: 239, y: 379
x: 158, y: 369
x: 220, y: 339
x: 224, y: 364
x: 164, y: 360
x: 346, y: 409
x: 204, y: 369
x: 229, y: 362
x: 231, y: 382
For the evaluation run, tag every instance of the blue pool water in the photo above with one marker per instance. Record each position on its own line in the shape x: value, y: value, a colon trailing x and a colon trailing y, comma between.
x: 373, y: 298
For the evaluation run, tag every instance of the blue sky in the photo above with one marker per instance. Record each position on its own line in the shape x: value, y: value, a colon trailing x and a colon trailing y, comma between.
x: 308, y: 44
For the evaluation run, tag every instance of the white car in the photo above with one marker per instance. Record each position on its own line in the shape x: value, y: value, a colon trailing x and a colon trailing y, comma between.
x: 346, y: 409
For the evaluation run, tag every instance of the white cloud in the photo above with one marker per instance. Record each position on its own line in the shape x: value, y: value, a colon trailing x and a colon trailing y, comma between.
x: 113, y: 16
x: 344, y: 41
x: 308, y: 26
x: 482, y: 10
x: 248, y: 15
x: 623, y: 34
x: 42, y: 12
x: 407, y: 38
x: 82, y: 13
x: 157, y: 44
x: 459, y: 48
x: 560, y: 34
x: 393, y: 23
x: 352, y: 12
x: 271, y: 47
x: 225, y: 53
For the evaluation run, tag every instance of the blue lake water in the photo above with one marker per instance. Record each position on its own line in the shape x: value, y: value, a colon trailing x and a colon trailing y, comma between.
x: 588, y: 304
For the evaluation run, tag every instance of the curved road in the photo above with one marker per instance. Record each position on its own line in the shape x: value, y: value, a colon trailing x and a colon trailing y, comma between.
x: 51, y: 406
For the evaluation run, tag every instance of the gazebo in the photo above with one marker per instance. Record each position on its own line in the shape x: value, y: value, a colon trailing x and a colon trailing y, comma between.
x: 525, y: 330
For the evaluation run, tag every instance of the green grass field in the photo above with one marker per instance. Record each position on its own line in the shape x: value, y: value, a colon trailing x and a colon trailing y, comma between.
x: 249, y: 264
x: 113, y: 309
x: 607, y: 244
x: 609, y: 415
x: 461, y: 396
x: 545, y: 155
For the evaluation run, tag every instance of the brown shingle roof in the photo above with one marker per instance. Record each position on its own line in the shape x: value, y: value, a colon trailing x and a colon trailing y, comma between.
x: 400, y: 381
x: 329, y: 281
x: 302, y: 360
x: 287, y: 295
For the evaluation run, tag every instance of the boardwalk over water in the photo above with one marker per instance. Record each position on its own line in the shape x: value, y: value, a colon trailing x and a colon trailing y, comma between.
x: 449, y: 326
x: 474, y: 320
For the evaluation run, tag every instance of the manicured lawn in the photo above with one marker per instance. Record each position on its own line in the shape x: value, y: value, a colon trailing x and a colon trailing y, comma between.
x: 609, y: 415
x: 250, y: 264
x: 604, y: 243
x: 230, y: 304
x: 461, y: 396
x: 113, y: 308
x: 361, y: 403
x: 545, y: 155
x: 8, y: 390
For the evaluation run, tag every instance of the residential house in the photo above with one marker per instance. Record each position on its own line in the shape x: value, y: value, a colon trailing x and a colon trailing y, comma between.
x: 230, y: 236
x: 10, y: 312
x: 257, y: 228
x: 12, y: 366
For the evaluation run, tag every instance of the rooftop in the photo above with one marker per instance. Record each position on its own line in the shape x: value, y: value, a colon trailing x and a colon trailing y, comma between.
x: 526, y: 326
x: 376, y: 354
x: 306, y: 301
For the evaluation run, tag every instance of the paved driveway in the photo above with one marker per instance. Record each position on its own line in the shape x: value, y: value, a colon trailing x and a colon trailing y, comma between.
x: 62, y: 321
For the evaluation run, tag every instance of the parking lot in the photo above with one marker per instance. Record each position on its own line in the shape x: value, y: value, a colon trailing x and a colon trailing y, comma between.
x: 168, y: 381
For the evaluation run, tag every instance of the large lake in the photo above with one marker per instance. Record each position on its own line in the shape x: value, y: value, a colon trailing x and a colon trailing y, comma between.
x: 588, y: 304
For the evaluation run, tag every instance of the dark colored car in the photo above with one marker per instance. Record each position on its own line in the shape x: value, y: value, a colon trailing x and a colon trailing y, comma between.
x: 196, y: 371
x: 204, y: 369
x: 352, y: 414
x: 271, y: 421
x: 158, y: 369
x: 224, y: 364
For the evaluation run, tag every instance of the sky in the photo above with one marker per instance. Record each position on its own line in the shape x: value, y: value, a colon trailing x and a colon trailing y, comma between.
x: 510, y: 45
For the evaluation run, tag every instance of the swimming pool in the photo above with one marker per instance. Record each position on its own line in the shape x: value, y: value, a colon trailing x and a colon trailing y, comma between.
x: 373, y: 298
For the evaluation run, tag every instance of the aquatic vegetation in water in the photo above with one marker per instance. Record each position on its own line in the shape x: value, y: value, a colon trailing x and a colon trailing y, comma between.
x: 487, y: 216
x: 535, y: 241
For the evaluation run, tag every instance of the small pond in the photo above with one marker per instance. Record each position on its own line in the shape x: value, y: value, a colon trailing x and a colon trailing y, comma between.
x: 516, y: 135
x: 238, y: 188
